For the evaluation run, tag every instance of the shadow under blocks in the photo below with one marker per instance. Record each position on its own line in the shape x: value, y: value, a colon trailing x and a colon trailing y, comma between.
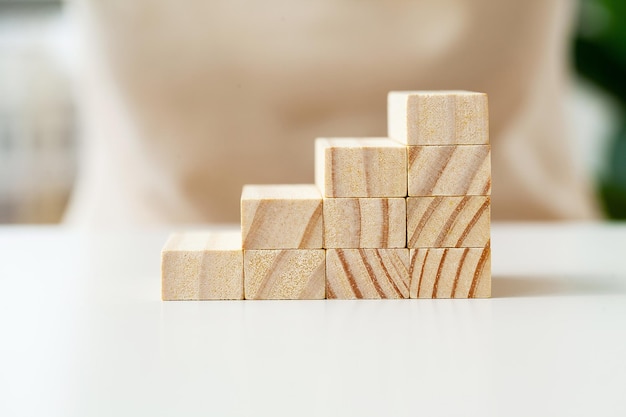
x: 550, y: 286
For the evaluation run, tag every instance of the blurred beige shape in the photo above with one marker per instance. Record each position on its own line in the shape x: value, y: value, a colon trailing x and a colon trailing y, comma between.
x: 184, y: 102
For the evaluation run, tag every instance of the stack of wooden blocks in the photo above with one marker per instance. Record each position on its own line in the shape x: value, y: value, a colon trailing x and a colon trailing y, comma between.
x: 401, y: 217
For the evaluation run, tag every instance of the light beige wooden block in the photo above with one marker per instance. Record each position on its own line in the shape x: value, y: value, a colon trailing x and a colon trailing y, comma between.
x: 368, y: 167
x: 451, y: 273
x: 438, y: 117
x: 289, y: 274
x: 364, y: 223
x: 202, y: 266
x: 448, y: 222
x: 367, y: 273
x: 449, y: 170
x: 281, y: 217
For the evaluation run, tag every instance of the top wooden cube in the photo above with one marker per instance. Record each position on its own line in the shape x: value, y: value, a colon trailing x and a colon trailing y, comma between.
x: 281, y: 217
x: 438, y: 117
x: 366, y: 167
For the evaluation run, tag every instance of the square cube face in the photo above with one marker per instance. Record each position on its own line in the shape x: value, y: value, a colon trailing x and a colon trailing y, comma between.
x: 450, y: 273
x: 367, y: 273
x: 449, y: 170
x: 202, y: 266
x: 281, y: 217
x: 364, y: 223
x: 438, y: 117
x: 448, y: 222
x: 372, y: 167
x: 291, y: 274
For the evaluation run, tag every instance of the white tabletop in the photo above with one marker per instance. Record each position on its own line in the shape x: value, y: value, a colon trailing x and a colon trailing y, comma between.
x: 83, y: 333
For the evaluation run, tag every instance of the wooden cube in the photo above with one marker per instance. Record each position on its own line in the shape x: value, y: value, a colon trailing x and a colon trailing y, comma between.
x: 449, y: 170
x: 202, y: 266
x: 372, y: 167
x: 288, y: 274
x: 438, y: 118
x: 448, y: 222
x: 364, y: 223
x: 281, y: 217
x: 367, y: 273
x: 450, y: 273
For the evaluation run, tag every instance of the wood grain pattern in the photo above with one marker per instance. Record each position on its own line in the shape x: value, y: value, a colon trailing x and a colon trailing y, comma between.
x: 438, y: 117
x: 364, y: 223
x: 449, y: 170
x: 202, y: 266
x: 367, y: 273
x: 281, y: 217
x: 290, y: 274
x: 368, y: 167
x: 450, y: 273
x: 448, y: 222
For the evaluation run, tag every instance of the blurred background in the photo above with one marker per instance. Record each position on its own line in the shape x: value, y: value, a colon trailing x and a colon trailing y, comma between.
x: 39, y: 134
x: 37, y: 119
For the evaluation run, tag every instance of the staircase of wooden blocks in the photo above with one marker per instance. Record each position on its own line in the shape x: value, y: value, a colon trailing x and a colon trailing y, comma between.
x: 401, y: 217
